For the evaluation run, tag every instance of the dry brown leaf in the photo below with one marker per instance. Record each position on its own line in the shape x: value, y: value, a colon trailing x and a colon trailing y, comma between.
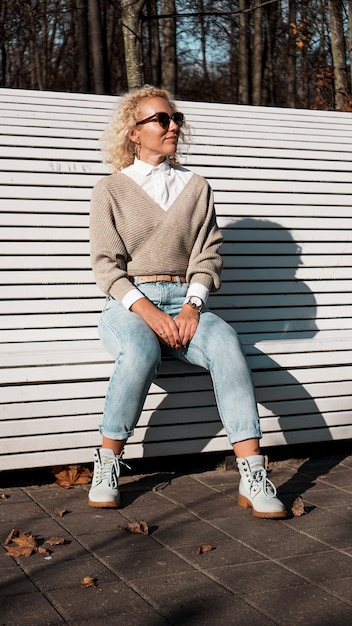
x: 55, y: 541
x: 72, y: 475
x: 17, y: 551
x: 140, y: 528
x: 20, y: 543
x: 3, y: 496
x: 60, y: 512
x: 205, y: 547
x: 88, y: 581
x: 298, y: 507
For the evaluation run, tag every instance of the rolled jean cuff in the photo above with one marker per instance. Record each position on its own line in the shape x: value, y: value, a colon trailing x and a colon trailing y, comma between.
x: 115, y: 436
x: 237, y: 437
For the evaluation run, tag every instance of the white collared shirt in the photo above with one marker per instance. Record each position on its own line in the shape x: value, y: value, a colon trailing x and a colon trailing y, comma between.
x: 163, y: 184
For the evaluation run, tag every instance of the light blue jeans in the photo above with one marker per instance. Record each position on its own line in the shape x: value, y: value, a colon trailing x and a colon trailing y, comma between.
x: 137, y: 353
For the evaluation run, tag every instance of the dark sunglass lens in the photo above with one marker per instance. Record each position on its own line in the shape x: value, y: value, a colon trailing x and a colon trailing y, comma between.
x: 164, y: 120
x: 178, y: 119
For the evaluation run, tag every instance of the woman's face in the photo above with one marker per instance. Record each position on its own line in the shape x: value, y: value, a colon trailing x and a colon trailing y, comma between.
x: 155, y: 142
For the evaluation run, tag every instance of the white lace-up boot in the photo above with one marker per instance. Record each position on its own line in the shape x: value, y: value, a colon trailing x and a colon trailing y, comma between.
x: 104, y: 492
x: 256, y: 491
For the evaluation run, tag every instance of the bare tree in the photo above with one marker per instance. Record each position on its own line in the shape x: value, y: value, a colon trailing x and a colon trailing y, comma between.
x: 350, y: 39
x: 168, y: 46
x: 304, y: 78
x: 96, y: 42
x: 338, y: 52
x: 203, y: 39
x: 132, y: 38
x: 244, y: 60
x: 227, y: 51
x: 269, y: 83
x: 82, y: 45
x: 291, y: 57
x: 153, y: 71
x: 257, y: 68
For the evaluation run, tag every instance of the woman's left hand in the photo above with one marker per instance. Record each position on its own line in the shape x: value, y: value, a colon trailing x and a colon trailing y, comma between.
x: 187, y: 322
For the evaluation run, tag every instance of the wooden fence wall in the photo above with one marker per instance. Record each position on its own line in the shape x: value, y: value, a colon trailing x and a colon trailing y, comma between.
x: 283, y: 189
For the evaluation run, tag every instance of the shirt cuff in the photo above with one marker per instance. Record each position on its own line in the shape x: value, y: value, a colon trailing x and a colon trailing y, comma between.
x: 199, y: 290
x: 131, y: 297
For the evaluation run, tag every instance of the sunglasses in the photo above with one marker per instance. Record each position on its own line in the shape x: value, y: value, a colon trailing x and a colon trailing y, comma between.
x: 164, y: 119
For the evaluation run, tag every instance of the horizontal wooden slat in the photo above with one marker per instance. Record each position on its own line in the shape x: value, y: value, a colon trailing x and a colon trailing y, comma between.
x: 84, y: 452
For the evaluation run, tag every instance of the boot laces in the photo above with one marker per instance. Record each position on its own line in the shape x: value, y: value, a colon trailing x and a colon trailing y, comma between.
x: 262, y: 481
x: 110, y: 471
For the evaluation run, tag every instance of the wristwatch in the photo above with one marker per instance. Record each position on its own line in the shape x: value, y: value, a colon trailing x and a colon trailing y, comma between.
x: 195, y: 302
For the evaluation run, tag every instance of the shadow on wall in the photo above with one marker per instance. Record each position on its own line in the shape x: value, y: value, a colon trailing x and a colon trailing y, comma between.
x: 278, y: 306
x: 261, y: 259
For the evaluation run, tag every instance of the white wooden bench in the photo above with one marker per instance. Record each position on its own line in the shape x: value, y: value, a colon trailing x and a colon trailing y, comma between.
x: 283, y: 189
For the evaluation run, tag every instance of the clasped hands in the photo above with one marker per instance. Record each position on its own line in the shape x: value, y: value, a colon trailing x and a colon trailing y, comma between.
x: 174, y: 332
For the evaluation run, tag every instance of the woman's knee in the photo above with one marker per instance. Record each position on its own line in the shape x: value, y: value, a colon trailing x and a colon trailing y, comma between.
x: 146, y: 350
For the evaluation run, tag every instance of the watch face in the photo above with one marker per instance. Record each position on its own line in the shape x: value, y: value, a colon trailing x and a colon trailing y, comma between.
x: 196, y: 302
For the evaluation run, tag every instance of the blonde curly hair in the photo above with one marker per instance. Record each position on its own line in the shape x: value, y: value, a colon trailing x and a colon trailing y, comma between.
x: 117, y: 147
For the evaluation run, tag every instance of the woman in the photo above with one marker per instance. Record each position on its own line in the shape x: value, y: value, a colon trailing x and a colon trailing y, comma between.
x: 154, y: 251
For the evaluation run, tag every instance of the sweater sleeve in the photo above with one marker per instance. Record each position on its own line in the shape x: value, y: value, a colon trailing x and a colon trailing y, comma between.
x: 107, y: 249
x: 205, y: 262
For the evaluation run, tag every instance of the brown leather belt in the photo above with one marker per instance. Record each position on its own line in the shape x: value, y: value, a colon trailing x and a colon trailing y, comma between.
x: 154, y: 278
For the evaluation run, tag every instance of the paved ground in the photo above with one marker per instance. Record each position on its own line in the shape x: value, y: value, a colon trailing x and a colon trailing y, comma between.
x: 259, y: 572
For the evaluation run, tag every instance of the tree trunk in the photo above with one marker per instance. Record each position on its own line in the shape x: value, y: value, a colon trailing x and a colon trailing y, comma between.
x: 96, y: 41
x: 3, y: 52
x: 154, y: 44
x: 338, y: 53
x: 257, y: 70
x: 269, y: 69
x: 233, y: 57
x: 35, y: 66
x: 132, y: 39
x: 291, y: 59
x: 244, y: 55
x: 168, y: 47
x: 304, y: 55
x: 82, y: 45
x: 350, y: 39
x: 203, y: 42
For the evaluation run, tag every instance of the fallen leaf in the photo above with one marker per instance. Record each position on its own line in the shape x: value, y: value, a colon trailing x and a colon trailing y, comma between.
x: 3, y: 496
x: 20, y: 543
x: 60, y: 512
x: 298, y: 507
x: 140, y: 528
x: 72, y: 475
x: 88, y: 581
x: 55, y: 541
x: 205, y: 547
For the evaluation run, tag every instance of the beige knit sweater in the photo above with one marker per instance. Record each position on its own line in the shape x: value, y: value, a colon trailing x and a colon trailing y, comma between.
x: 132, y: 235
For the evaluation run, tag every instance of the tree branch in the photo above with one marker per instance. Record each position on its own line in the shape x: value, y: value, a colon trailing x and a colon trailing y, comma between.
x: 146, y: 18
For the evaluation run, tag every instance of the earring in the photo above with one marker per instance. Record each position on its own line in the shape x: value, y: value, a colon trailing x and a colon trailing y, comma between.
x: 136, y: 150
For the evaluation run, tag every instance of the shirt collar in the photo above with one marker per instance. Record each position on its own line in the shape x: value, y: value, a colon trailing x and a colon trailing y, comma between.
x: 147, y: 169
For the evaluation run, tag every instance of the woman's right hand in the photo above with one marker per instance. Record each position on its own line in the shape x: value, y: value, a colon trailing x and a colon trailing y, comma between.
x: 161, y: 323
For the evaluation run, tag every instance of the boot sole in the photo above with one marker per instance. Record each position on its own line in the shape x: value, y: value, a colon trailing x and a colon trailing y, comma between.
x: 104, y: 505
x: 246, y: 504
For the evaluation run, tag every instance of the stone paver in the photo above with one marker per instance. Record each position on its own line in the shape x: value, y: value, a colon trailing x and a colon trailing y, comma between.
x: 258, y: 572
